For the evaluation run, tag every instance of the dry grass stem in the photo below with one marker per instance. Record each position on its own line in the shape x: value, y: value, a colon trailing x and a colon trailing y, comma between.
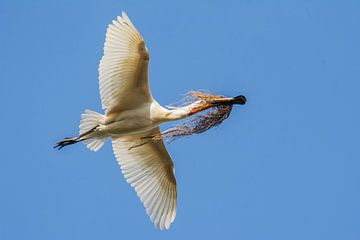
x: 216, y: 110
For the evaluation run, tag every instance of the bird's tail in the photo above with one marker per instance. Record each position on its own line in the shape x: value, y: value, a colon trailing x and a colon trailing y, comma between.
x: 89, y: 122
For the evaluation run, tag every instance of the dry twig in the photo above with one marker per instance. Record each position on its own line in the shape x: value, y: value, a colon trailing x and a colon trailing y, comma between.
x: 218, y: 109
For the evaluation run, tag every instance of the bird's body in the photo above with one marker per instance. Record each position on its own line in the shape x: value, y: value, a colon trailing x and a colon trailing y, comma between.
x: 131, y: 117
x: 137, y: 121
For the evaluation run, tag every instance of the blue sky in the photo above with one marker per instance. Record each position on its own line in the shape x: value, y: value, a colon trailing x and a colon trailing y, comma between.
x: 284, y: 166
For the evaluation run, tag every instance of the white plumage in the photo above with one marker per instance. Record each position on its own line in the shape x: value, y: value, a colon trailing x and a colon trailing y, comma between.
x: 132, y: 113
x: 132, y: 116
x: 150, y: 170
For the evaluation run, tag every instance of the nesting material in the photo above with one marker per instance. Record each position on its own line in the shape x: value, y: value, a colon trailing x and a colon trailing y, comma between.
x: 215, y: 110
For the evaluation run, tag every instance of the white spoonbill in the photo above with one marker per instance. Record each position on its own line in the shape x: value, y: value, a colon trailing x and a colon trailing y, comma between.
x: 132, y: 118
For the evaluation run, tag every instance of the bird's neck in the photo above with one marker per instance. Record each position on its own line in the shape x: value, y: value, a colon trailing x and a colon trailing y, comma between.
x: 178, y: 113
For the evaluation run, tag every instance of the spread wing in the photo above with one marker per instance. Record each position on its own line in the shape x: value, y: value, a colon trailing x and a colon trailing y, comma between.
x: 150, y: 170
x: 123, y: 70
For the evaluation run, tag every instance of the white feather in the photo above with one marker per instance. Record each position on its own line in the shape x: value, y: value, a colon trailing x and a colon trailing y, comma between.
x: 89, y: 120
x: 150, y: 170
x: 123, y: 70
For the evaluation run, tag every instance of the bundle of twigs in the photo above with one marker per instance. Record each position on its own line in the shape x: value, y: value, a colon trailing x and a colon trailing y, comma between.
x: 217, y: 109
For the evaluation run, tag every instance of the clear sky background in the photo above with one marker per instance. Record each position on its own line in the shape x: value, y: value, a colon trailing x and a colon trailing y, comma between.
x: 284, y: 166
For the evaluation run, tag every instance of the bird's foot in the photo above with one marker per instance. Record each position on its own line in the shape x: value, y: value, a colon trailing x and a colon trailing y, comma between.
x: 66, y: 141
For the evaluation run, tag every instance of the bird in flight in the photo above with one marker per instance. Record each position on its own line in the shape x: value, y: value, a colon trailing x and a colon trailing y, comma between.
x: 132, y: 118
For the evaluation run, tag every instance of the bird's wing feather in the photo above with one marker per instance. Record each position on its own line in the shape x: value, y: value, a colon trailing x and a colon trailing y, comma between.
x: 150, y: 170
x: 123, y: 70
